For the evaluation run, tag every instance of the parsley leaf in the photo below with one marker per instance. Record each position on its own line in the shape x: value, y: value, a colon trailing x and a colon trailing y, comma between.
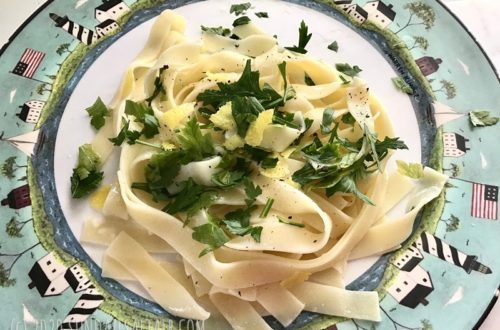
x: 143, y: 114
x: 327, y: 121
x: 125, y: 133
x: 334, y: 46
x: 348, y: 119
x: 269, y: 163
x: 161, y: 170
x: 233, y: 170
x: 194, y: 142
x: 86, y: 176
x: 401, y: 85
x: 412, y: 170
x: 291, y: 223
x: 83, y: 187
x: 304, y: 37
x: 251, y: 191
x: 482, y: 118
x: 211, y: 234
x: 192, y: 198
x: 346, y: 69
x: 240, y: 8
x: 97, y: 112
x: 238, y: 223
x: 159, y: 89
x: 219, y: 30
x: 347, y: 185
x: 245, y: 110
x: 308, y: 80
x: 243, y: 20
x: 262, y: 14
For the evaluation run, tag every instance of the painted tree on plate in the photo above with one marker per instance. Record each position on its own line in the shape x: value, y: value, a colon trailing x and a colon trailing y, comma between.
x: 43, y: 88
x: 63, y: 48
x: 454, y: 170
x: 452, y: 223
x: 11, y: 259
x: 448, y: 88
x: 424, y: 323
x: 420, y: 14
x: 13, y: 227
x: 9, y: 167
x: 419, y: 42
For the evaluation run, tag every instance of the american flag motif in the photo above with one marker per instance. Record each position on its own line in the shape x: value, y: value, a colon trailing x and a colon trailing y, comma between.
x: 29, y: 62
x: 484, y: 201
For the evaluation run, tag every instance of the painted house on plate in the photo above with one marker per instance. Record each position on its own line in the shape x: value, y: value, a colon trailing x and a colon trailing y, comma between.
x: 379, y: 13
x: 31, y: 111
x: 428, y: 64
x: 110, y: 10
x: 106, y: 27
x: 80, y: 32
x: 455, y: 145
x: 18, y: 198
x: 357, y: 13
x: 413, y: 283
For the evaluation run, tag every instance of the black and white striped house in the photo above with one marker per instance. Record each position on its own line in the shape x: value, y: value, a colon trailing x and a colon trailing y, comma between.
x: 81, y: 33
x: 413, y: 283
x: 86, y: 305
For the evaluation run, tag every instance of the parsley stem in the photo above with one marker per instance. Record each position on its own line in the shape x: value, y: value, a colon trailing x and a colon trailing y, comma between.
x: 267, y: 208
x: 291, y: 223
x: 148, y: 144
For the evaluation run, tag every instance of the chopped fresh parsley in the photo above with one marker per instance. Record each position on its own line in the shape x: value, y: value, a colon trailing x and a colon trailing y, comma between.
x: 219, y: 30
x: 348, y: 119
x: 401, y: 85
x: 125, y: 134
x: 192, y: 198
x: 262, y: 14
x: 284, y: 118
x: 238, y: 223
x: 334, y: 46
x: 243, y: 20
x: 211, y: 234
x: 86, y: 175
x: 252, y: 191
x: 346, y: 69
x: 158, y: 84
x: 267, y: 208
x: 245, y: 110
x: 232, y: 171
x: 304, y: 37
x: 482, y: 118
x: 269, y: 163
x: 143, y: 114
x: 239, y: 9
x: 97, y: 112
x: 194, y: 142
x: 291, y: 223
x: 327, y: 121
x: 308, y: 80
x: 335, y: 165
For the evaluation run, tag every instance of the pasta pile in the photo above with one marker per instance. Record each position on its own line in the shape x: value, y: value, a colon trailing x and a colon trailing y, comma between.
x: 274, y: 238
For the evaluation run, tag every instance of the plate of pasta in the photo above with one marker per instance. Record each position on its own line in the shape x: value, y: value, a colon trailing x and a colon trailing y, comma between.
x: 269, y: 165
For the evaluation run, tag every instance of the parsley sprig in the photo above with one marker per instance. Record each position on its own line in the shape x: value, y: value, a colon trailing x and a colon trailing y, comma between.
x: 304, y: 37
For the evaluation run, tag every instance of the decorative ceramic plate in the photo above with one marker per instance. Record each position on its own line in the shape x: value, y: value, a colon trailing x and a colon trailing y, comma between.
x: 68, y: 53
